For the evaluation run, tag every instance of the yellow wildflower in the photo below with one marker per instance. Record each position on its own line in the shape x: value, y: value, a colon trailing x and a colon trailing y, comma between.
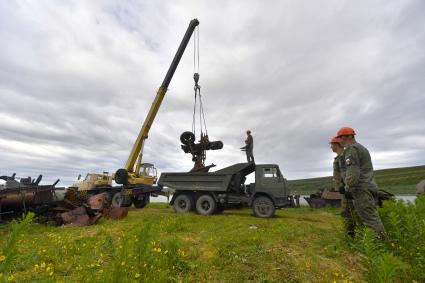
x: 51, y: 273
x: 2, y: 257
x: 137, y: 275
x: 43, y: 265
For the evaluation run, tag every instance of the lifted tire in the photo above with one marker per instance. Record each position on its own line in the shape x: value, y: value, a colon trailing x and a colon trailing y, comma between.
x: 263, y: 207
x: 121, y: 200
x: 183, y: 203
x: 206, y: 205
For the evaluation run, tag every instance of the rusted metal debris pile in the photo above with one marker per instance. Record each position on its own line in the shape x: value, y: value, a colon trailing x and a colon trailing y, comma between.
x: 72, y: 209
x: 76, y: 210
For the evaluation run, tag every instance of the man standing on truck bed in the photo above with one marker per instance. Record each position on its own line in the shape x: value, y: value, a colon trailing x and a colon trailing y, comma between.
x: 339, y: 169
x: 249, y: 147
x: 359, y: 182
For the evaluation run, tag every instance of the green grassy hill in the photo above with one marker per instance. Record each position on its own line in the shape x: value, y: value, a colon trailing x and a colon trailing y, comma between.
x: 395, y: 180
x: 156, y: 245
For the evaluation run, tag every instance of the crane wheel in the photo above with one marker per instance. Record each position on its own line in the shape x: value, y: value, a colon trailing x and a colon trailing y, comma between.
x: 121, y: 200
x: 141, y: 203
x: 187, y: 138
x: 121, y: 177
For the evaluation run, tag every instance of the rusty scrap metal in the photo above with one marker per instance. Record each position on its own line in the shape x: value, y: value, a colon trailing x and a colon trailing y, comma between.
x: 92, y: 210
x: 75, y: 209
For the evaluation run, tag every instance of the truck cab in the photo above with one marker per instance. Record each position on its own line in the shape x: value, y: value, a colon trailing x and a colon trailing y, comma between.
x: 93, y: 180
x: 270, y: 182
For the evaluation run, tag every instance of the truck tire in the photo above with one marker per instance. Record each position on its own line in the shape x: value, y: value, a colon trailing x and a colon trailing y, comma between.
x: 206, y: 205
x: 141, y: 203
x: 121, y: 177
x: 263, y: 207
x: 187, y: 138
x: 183, y: 203
x: 121, y: 200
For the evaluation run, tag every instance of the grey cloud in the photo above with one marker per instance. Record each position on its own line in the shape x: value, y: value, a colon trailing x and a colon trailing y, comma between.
x: 77, y: 79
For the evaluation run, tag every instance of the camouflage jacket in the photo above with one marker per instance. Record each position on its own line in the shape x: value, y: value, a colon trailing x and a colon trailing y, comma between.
x: 249, y: 143
x: 359, y: 168
x: 339, y: 171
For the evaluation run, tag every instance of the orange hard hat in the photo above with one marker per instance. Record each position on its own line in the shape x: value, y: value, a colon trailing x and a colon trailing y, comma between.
x: 335, y: 140
x: 345, y: 131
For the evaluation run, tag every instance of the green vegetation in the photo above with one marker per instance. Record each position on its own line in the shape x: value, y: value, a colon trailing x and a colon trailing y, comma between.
x: 156, y: 245
x: 402, y: 257
x: 396, y: 181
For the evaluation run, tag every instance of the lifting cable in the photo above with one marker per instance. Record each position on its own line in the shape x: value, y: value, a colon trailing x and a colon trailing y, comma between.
x: 197, y: 88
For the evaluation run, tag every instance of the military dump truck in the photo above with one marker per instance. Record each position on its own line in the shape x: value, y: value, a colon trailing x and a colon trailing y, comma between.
x: 212, y: 192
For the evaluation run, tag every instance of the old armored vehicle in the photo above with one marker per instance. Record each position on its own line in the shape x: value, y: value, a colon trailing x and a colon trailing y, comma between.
x: 212, y: 192
x: 18, y: 196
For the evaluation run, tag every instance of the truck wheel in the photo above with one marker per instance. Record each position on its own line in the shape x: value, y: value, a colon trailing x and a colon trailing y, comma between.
x: 187, y: 138
x: 263, y: 207
x: 120, y: 200
x: 121, y: 177
x: 183, y: 203
x: 141, y: 203
x: 206, y: 205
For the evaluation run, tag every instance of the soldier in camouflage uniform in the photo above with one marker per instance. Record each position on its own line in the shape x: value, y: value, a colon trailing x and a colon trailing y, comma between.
x: 249, y: 147
x: 338, y: 178
x: 359, y: 182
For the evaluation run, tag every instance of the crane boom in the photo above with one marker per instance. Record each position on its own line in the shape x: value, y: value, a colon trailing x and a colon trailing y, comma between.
x: 137, y: 150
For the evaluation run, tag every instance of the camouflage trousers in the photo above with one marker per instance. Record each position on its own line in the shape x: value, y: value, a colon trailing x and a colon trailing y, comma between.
x: 349, y: 215
x: 363, y: 207
x: 250, y: 155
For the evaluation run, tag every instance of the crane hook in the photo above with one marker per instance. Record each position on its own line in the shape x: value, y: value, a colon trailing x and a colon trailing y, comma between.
x: 196, y: 79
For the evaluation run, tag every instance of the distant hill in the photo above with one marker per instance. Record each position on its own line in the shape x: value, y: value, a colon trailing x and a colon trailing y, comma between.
x: 394, y: 180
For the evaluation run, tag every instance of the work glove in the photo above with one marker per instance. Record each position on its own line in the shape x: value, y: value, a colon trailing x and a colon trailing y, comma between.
x: 341, y: 190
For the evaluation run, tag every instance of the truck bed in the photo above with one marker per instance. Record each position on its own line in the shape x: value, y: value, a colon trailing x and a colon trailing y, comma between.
x: 218, y: 181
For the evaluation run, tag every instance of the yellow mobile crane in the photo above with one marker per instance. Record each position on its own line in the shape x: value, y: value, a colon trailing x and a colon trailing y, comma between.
x: 135, y: 172
x: 136, y: 177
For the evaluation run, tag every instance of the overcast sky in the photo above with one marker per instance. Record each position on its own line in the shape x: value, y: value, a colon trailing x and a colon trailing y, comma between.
x: 77, y: 79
